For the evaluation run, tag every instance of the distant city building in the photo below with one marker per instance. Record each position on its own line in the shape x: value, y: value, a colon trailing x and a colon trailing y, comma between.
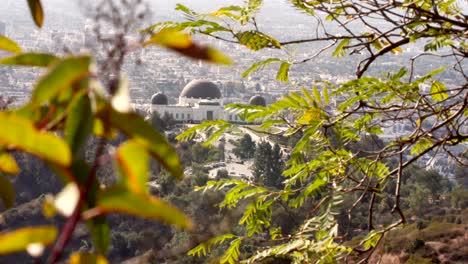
x: 2, y: 28
x: 199, y: 100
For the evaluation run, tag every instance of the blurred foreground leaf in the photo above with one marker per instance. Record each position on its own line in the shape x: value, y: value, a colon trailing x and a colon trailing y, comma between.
x: 9, y: 45
x: 8, y: 164
x: 135, y: 127
x: 37, y: 13
x: 120, y: 200
x: 79, y: 123
x: 183, y: 44
x: 133, y: 161
x: 20, y: 239
x: 20, y: 133
x: 87, y: 258
x: 30, y: 59
x: 60, y: 77
x: 7, y: 192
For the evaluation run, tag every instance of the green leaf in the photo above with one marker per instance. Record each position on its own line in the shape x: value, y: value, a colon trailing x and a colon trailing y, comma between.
x: 133, y: 163
x: 9, y: 45
x: 120, y: 200
x: 422, y: 145
x: 30, y: 59
x: 256, y: 40
x: 377, y: 44
x: 339, y: 51
x: 255, y: 4
x: 325, y: 95
x: 135, y: 127
x: 79, y: 123
x: 203, y: 248
x: 8, y: 164
x: 317, y: 96
x: 220, y: 124
x: 7, y: 192
x: 231, y: 255
x: 20, y: 239
x: 283, y: 72
x: 60, y: 77
x: 87, y: 258
x: 438, y: 91
x: 258, y: 65
x: 371, y: 240
x: 37, y: 13
x: 20, y: 133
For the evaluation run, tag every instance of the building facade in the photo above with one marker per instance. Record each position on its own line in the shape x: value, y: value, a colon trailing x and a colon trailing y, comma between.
x: 199, y: 100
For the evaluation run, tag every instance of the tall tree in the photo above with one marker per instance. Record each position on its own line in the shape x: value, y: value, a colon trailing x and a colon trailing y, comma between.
x: 268, y: 165
x: 262, y: 160
x: 245, y: 148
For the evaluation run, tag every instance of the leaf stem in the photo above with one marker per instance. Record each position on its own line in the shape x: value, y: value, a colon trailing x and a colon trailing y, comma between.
x: 73, y: 220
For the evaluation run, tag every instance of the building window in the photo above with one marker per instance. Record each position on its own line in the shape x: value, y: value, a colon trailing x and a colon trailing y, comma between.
x: 188, y: 116
x: 183, y: 115
x: 209, y: 115
x: 177, y: 116
x: 230, y: 117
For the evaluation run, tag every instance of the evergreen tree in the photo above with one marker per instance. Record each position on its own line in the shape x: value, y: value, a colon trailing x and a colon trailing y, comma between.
x: 276, y: 166
x: 245, y: 148
x: 268, y: 165
x: 261, y: 159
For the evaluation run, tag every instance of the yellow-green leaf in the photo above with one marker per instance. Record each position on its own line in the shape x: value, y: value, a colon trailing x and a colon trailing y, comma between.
x: 438, y: 91
x: 18, y: 132
x: 170, y: 39
x: 30, y: 59
x: 9, y: 45
x: 135, y: 127
x: 317, y: 96
x: 218, y: 57
x: 87, y: 258
x: 60, y: 77
x: 133, y: 161
x: 20, y: 239
x: 37, y: 13
x: 422, y: 145
x: 120, y: 200
x: 8, y: 164
x: 340, y: 49
x: 255, y: 40
x: 7, y: 192
x: 283, y: 72
x: 397, y: 50
x: 311, y: 115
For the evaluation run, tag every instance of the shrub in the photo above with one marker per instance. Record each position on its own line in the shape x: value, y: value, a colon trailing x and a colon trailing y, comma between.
x: 415, y: 245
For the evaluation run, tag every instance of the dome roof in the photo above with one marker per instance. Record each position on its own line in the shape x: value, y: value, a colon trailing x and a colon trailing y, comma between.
x: 159, y: 99
x: 201, y: 89
x: 257, y: 100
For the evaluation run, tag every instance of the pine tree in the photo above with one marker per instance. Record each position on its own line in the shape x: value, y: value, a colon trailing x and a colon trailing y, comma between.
x: 246, y: 147
x: 268, y: 165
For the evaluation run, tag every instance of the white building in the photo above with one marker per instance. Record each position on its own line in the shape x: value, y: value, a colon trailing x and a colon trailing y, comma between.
x: 199, y: 100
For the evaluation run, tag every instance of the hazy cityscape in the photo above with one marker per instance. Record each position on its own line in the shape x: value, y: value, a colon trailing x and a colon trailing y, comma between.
x: 174, y: 93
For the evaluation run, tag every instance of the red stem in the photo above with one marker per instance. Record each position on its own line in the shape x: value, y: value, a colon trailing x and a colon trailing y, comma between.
x: 73, y: 220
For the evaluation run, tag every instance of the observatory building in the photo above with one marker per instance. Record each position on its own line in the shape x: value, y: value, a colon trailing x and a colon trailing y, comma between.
x: 199, y: 100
